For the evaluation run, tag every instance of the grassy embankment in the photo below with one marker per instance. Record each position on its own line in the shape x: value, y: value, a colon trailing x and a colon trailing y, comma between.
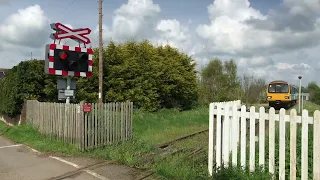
x: 151, y: 129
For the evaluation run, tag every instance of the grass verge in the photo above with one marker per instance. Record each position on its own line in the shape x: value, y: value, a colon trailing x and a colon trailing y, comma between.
x: 150, y: 129
x: 31, y: 137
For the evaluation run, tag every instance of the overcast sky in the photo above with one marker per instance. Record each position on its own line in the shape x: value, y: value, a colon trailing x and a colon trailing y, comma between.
x: 274, y: 39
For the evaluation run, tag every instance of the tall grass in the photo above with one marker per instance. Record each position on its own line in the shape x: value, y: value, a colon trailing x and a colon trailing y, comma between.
x: 287, y: 151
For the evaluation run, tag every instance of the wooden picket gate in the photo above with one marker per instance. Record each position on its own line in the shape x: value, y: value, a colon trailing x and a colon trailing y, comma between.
x: 228, y: 125
x: 106, y: 124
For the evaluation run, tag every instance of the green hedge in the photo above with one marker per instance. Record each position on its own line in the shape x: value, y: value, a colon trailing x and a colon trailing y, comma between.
x: 151, y: 77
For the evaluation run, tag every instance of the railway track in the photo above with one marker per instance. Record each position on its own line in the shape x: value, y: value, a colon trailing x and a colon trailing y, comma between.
x: 80, y: 170
x: 166, y: 149
x: 164, y: 145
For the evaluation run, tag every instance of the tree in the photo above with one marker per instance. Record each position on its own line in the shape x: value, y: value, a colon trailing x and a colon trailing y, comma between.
x: 314, y: 91
x: 151, y: 77
x: 254, y: 89
x: 219, y: 82
x: 25, y: 81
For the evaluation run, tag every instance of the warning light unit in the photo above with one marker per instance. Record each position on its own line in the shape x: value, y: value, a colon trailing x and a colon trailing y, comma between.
x: 68, y: 61
x: 63, y: 60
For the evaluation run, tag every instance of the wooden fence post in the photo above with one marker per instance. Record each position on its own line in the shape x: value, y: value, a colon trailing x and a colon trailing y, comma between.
x: 80, y: 122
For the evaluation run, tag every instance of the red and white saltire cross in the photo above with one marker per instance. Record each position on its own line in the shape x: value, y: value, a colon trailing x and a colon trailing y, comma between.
x: 65, y: 32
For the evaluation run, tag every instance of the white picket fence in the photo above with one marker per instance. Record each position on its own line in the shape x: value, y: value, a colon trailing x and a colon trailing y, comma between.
x: 229, y: 131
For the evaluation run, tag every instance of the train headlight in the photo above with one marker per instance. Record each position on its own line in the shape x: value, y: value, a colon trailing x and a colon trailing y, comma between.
x: 269, y: 97
x: 287, y: 97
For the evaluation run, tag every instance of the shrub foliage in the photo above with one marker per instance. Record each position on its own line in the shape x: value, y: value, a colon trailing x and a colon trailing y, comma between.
x: 151, y: 77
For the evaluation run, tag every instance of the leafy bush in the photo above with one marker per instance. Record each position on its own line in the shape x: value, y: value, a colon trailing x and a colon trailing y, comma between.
x: 25, y: 81
x: 151, y: 77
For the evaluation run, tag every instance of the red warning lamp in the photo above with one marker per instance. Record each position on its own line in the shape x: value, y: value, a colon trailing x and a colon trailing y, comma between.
x: 63, y: 55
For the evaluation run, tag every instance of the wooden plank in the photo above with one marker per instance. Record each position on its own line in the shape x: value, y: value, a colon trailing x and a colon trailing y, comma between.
x: 225, y: 141
x: 101, y: 121
x: 74, y: 126
x: 316, y: 145
x: 68, y: 123
x: 117, y: 122
x: 218, y: 138
x: 113, y: 122
x: 262, y: 137
x: 41, y: 118
x: 43, y: 111
x: 104, y: 124
x: 127, y: 119
x: 282, y: 144
x: 71, y: 124
x: 49, y: 119
x: 272, y: 140
x: 109, y: 123
x: 243, y: 136
x: 65, y: 123
x: 234, y: 136
x: 54, y: 120
x: 60, y: 122
x: 90, y: 127
x: 82, y: 125
x: 100, y: 127
x: 77, y: 125
x: 252, y: 139
x: 86, y: 130
x: 211, y: 134
x: 304, y: 145
x: 293, y: 144
x: 57, y: 120
x: 121, y: 121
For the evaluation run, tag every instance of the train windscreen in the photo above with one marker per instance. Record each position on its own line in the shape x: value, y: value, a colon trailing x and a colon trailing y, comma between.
x: 278, y: 88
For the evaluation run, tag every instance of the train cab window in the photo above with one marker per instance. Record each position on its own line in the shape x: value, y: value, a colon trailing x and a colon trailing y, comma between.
x: 278, y: 88
x: 272, y: 88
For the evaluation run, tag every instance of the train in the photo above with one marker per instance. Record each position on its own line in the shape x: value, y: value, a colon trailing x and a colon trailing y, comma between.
x: 281, y: 94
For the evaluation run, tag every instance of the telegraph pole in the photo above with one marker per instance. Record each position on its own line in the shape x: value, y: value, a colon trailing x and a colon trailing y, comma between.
x: 100, y: 53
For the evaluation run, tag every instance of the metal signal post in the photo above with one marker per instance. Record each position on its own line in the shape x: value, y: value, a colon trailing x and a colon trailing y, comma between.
x: 68, y: 88
x: 299, y: 99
